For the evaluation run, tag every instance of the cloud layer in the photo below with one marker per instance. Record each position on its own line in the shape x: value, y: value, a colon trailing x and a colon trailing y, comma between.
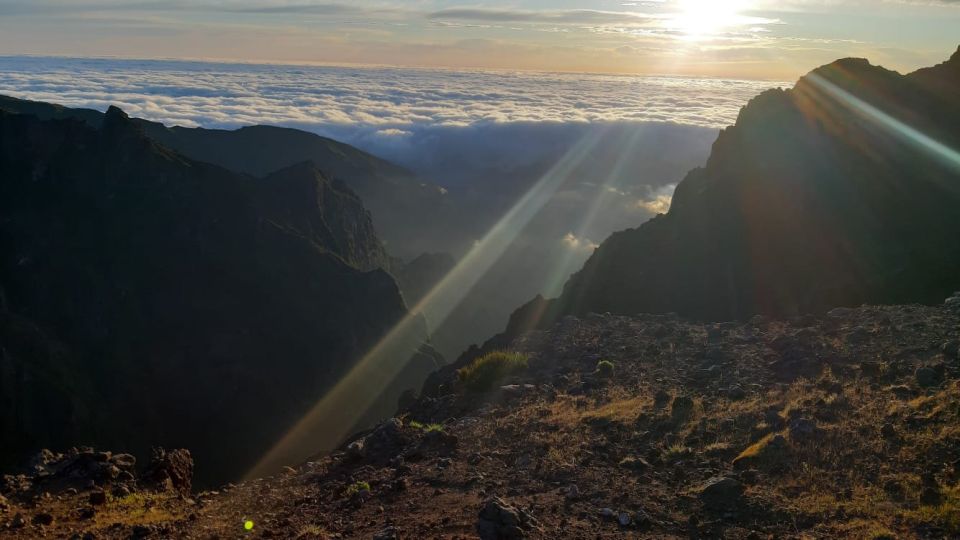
x: 367, y: 105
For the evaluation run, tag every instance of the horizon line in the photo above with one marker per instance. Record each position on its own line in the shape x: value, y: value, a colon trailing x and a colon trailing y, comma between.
x: 370, y: 65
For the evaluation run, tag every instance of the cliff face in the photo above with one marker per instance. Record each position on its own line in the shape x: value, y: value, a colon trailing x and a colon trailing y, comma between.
x: 148, y: 299
x: 840, y: 191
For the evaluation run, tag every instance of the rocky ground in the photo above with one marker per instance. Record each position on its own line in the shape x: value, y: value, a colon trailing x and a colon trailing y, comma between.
x: 847, y: 425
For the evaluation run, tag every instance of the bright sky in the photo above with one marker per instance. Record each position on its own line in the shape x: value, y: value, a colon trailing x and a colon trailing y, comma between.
x: 729, y: 38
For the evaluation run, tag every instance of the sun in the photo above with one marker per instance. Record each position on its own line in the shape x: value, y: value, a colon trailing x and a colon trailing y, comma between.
x: 701, y: 19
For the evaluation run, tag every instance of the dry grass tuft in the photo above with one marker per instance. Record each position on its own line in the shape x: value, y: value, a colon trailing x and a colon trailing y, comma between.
x: 483, y: 373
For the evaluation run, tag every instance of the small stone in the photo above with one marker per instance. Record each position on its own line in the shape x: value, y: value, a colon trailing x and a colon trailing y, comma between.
x: 43, y: 519
x: 624, y: 519
x: 124, y: 461
x: 98, y: 498
x: 927, y: 377
x: 388, y: 533
x: 951, y: 350
x: 572, y: 492
x: 661, y: 399
x: 736, y: 393
x: 635, y: 463
x: 356, y: 449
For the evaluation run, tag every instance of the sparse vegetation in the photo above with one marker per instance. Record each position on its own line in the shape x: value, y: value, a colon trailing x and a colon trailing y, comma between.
x: 357, y: 487
x: 484, y: 372
x: 311, y: 532
x: 605, y: 368
x: 427, y: 428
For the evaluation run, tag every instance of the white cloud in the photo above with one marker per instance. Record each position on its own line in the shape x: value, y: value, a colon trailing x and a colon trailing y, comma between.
x: 351, y: 101
x: 576, y: 243
x: 658, y: 200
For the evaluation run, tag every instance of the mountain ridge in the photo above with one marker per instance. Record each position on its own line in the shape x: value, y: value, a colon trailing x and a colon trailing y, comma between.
x: 762, y: 236
x: 402, y: 205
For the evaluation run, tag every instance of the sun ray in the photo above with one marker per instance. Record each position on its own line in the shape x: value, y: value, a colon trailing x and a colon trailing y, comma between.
x: 332, y: 418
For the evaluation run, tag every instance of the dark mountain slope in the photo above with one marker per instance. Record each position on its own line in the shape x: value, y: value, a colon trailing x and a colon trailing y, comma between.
x: 149, y: 299
x: 837, y: 192
x: 404, y: 208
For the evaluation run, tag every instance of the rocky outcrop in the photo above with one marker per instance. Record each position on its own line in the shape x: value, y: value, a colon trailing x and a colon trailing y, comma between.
x: 170, y: 470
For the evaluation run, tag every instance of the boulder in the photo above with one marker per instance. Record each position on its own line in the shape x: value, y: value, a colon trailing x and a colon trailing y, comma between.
x: 721, y: 493
x: 170, y: 470
x: 385, y: 441
x: 499, y: 520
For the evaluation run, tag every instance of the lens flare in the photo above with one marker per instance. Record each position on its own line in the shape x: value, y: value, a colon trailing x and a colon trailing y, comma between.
x: 904, y: 132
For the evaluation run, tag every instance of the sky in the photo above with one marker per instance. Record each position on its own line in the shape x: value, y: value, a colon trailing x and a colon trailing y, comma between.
x: 756, y: 39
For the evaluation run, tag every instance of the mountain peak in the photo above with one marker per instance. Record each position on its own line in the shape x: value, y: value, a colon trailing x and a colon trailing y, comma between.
x: 846, y: 70
x: 117, y: 126
x: 115, y: 113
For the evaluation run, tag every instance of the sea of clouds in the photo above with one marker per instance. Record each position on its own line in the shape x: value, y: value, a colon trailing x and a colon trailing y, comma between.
x: 370, y: 107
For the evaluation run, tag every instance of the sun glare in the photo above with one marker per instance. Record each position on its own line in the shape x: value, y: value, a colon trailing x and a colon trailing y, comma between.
x: 701, y: 19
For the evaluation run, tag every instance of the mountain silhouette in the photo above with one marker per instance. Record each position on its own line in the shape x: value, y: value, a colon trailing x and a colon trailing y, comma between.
x: 841, y: 191
x: 150, y: 299
x: 405, y: 208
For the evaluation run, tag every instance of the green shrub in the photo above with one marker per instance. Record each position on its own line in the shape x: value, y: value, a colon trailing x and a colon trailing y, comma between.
x: 425, y: 427
x: 357, y: 487
x: 484, y: 372
x: 605, y: 368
